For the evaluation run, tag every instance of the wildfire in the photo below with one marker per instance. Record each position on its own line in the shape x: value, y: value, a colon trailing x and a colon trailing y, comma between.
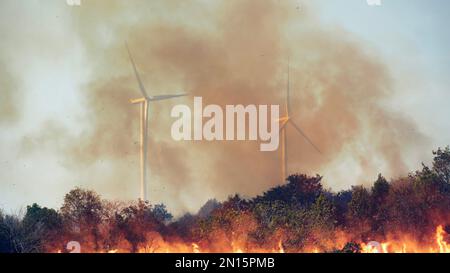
x: 406, y: 246
x: 443, y: 246
x: 195, y: 248
x: 280, y: 247
x: 409, y: 246
x: 438, y: 245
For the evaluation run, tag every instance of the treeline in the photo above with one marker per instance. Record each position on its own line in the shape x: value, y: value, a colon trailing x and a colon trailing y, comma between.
x: 299, y: 215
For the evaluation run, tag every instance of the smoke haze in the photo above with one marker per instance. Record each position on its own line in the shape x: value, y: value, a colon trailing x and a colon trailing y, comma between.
x: 230, y: 52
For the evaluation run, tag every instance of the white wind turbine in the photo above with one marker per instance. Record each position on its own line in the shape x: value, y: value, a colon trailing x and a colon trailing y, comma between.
x: 284, y: 121
x: 143, y: 101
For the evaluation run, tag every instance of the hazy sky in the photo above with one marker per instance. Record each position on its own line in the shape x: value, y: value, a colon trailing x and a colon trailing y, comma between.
x: 49, y: 64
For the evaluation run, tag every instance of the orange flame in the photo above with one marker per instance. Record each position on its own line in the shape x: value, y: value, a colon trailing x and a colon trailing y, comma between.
x: 406, y: 245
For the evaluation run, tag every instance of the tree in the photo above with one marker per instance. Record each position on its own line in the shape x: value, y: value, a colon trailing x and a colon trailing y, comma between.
x: 441, y: 164
x: 185, y: 226
x: 300, y: 189
x: 360, y: 211
x: 47, y: 218
x: 431, y: 189
x: 323, y: 214
x: 380, y: 189
x: 134, y: 221
x: 47, y: 223
x: 82, y: 212
x: 380, y: 192
x: 231, y: 216
x: 4, y: 240
x: 14, y: 238
x: 161, y: 214
x: 341, y: 201
x: 360, y: 204
x: 272, y: 215
x: 406, y: 206
x: 208, y: 207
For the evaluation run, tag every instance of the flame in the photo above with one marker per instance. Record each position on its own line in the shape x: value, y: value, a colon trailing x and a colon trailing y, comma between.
x: 410, y: 246
x: 437, y: 244
x: 384, y: 247
x: 195, y: 248
x: 443, y: 246
x: 280, y: 247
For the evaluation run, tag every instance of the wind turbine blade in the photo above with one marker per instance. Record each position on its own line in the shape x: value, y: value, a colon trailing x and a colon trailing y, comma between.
x: 304, y: 135
x: 141, y: 85
x: 165, y: 97
x: 288, y: 99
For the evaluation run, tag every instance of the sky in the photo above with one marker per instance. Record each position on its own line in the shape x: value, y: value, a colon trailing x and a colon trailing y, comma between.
x: 372, y: 89
x: 413, y: 32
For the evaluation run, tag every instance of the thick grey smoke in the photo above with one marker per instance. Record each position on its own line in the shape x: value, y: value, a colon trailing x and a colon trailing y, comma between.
x: 10, y: 95
x: 230, y: 52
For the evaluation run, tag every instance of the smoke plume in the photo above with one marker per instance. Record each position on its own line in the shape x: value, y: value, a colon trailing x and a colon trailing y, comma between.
x: 230, y: 52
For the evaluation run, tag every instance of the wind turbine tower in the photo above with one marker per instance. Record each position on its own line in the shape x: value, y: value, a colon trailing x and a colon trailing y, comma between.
x: 284, y: 121
x: 144, y: 103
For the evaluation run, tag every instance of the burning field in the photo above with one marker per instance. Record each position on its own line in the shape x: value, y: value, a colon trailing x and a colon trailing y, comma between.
x: 406, y: 215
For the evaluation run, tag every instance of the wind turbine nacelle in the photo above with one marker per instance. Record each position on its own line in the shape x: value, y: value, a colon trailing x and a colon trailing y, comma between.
x: 140, y: 100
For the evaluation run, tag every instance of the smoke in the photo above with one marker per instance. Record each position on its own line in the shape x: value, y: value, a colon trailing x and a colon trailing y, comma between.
x: 230, y: 52
x: 9, y: 94
x: 10, y: 91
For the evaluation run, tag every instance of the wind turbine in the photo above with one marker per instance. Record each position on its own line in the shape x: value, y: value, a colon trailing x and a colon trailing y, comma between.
x: 284, y: 121
x: 144, y: 101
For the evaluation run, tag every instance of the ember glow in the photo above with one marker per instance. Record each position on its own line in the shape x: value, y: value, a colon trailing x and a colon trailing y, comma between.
x: 439, y: 245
